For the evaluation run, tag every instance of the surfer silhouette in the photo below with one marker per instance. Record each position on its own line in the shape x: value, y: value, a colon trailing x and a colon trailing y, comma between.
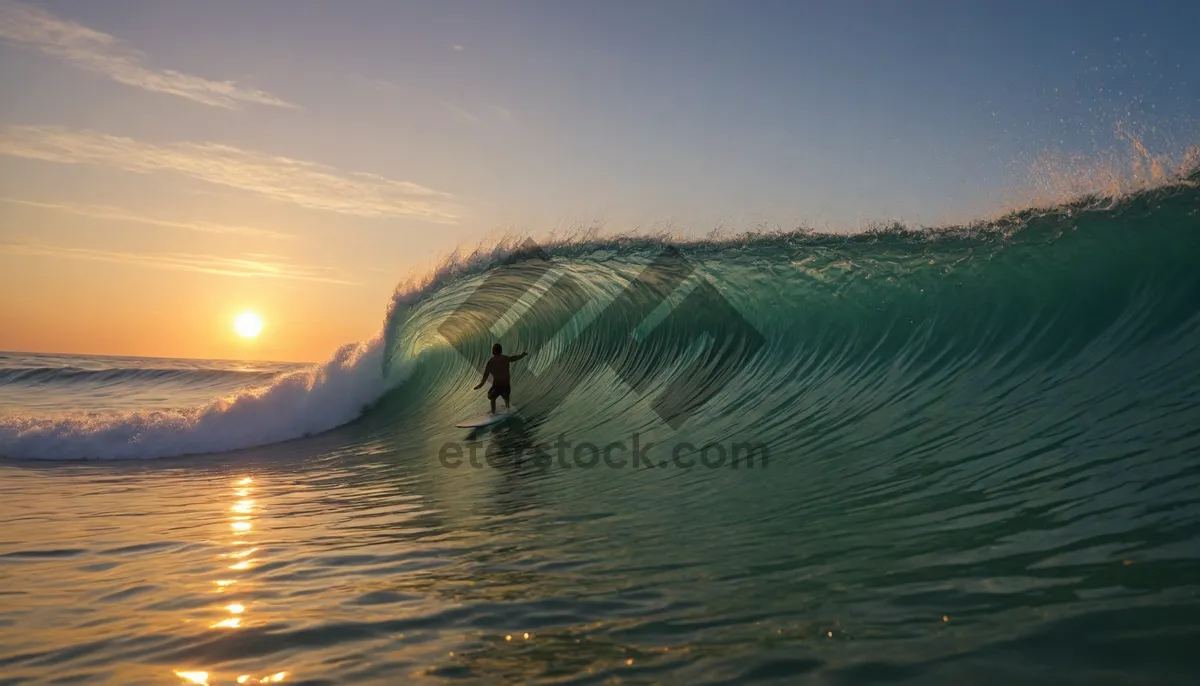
x: 497, y: 368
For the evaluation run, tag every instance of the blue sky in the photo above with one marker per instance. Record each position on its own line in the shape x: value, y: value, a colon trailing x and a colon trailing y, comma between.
x: 123, y: 143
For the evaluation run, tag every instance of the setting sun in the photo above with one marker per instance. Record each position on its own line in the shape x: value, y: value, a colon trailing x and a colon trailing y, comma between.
x: 248, y: 324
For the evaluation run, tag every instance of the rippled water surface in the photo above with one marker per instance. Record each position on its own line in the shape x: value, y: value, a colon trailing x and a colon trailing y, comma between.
x: 315, y: 564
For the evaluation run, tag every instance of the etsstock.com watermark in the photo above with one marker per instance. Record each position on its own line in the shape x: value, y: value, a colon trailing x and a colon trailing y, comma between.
x: 631, y: 454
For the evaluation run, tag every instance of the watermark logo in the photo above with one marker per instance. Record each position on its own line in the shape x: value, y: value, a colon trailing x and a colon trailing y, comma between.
x: 635, y: 453
x: 727, y: 340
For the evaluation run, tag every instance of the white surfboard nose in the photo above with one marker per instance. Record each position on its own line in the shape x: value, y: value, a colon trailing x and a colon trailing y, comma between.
x: 485, y: 419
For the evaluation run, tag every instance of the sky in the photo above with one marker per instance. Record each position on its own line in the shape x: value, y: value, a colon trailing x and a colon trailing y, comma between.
x: 166, y: 165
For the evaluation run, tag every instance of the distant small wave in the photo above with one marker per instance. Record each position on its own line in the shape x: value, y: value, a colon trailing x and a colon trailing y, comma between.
x: 68, y: 375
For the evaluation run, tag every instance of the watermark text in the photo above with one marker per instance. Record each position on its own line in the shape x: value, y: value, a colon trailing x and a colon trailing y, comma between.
x: 634, y: 453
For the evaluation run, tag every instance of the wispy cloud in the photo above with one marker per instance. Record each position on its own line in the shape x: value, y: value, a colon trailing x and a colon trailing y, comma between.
x: 107, y: 55
x: 460, y: 115
x: 381, y: 85
x: 118, y: 214
x: 500, y: 112
x: 188, y: 262
x: 306, y: 184
x: 477, y: 117
x: 486, y: 114
x: 459, y: 48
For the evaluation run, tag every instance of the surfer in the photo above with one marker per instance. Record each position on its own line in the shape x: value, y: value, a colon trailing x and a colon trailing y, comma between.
x: 497, y: 368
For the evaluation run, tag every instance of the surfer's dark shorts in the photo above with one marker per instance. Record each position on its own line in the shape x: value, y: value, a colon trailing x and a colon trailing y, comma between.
x: 500, y: 390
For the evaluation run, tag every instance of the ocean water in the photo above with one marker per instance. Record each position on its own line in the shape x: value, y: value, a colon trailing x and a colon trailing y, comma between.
x: 964, y: 456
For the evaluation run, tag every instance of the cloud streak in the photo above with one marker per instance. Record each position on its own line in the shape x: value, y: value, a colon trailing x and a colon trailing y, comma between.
x: 103, y: 54
x: 500, y: 112
x: 307, y: 184
x: 460, y: 114
x: 188, y: 262
x: 118, y: 214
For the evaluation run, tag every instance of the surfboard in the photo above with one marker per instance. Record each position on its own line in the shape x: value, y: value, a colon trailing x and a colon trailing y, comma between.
x: 485, y: 419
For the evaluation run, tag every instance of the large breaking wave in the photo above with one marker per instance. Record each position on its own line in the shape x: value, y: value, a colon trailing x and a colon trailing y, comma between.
x: 1083, y: 312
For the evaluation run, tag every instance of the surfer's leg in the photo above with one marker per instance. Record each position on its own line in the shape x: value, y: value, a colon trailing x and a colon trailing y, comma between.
x: 492, y: 397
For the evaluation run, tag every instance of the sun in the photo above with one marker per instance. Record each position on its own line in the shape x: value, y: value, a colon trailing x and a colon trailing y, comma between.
x: 248, y: 324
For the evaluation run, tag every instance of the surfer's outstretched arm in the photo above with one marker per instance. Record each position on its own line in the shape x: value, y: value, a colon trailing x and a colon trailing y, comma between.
x: 514, y: 358
x: 487, y: 370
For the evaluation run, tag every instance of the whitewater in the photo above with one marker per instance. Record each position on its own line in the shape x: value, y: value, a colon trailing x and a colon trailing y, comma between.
x: 983, y: 444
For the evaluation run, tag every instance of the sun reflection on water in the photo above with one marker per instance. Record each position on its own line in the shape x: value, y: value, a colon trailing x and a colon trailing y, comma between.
x: 243, y: 551
x: 231, y: 623
x: 273, y: 678
x: 241, y: 523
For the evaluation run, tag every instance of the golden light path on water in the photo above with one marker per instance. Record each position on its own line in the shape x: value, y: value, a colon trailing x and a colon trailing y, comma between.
x: 233, y: 604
